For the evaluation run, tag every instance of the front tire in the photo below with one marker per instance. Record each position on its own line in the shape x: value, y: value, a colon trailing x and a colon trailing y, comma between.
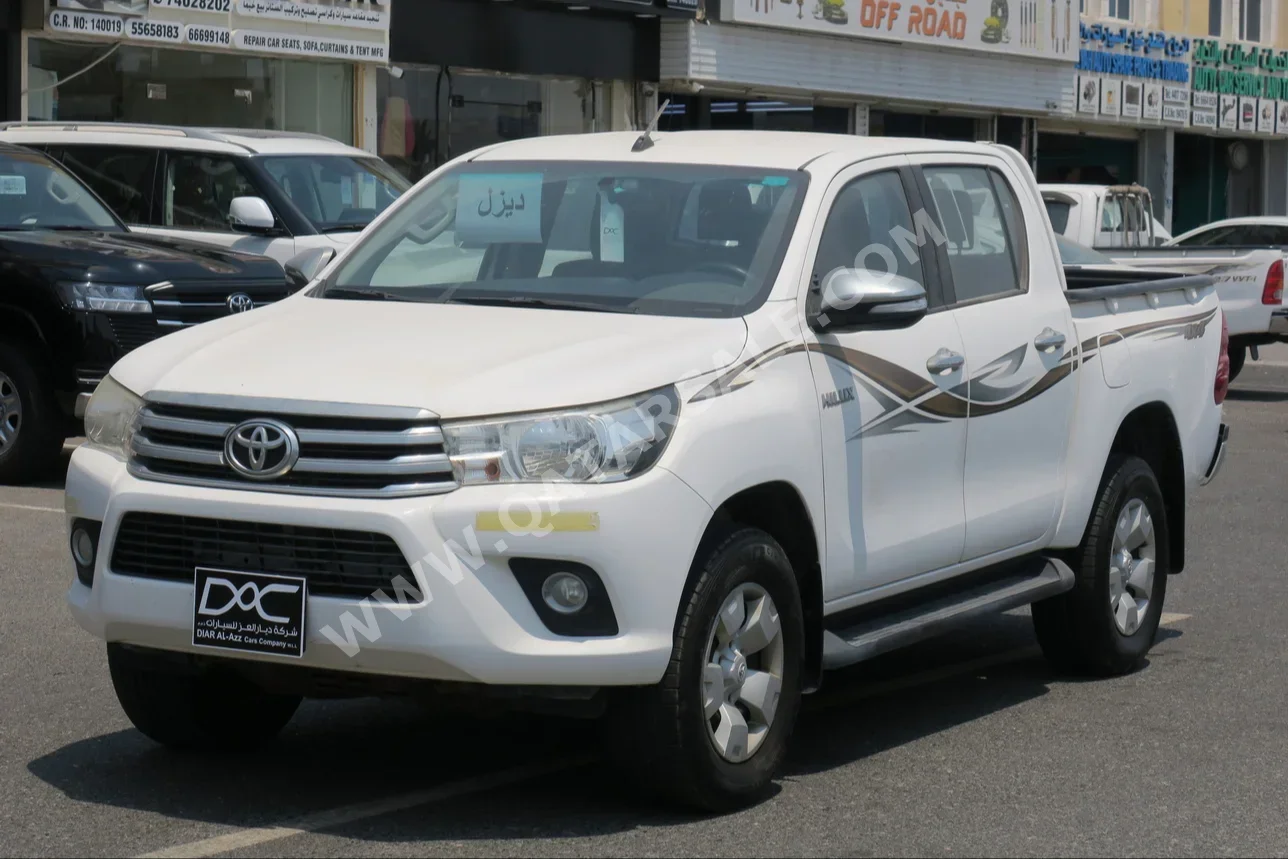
x: 31, y: 434
x: 210, y: 710
x: 713, y: 734
x: 1106, y: 625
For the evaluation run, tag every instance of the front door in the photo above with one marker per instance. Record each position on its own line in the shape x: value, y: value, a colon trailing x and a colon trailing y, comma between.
x: 893, y: 442
x: 1019, y: 345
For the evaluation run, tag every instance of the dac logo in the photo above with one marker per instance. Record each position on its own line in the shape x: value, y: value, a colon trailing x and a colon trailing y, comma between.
x: 247, y: 597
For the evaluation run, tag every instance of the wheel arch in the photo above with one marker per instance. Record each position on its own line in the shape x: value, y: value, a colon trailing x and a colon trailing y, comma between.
x: 1149, y: 432
x: 779, y: 509
x: 17, y: 323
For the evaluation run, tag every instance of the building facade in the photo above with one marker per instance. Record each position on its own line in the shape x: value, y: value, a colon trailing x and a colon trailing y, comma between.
x: 958, y: 69
x: 269, y: 64
x: 467, y: 73
x: 1187, y: 97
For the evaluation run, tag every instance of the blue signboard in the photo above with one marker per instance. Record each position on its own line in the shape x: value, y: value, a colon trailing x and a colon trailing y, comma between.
x: 1134, y: 53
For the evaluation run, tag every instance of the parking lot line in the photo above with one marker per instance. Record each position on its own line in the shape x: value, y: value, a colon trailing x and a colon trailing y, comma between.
x: 32, y: 507
x: 247, y: 838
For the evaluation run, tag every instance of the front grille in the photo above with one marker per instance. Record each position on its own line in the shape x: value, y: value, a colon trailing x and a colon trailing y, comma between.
x: 336, y: 563
x: 350, y: 457
x: 132, y: 330
x: 184, y: 304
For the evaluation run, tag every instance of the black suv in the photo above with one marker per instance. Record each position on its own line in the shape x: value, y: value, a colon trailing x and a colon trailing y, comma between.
x: 78, y: 291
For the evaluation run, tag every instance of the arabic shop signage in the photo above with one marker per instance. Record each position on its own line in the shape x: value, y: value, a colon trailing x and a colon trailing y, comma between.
x: 1133, y: 53
x: 1237, y: 70
x: 349, y: 30
x: 1040, y: 29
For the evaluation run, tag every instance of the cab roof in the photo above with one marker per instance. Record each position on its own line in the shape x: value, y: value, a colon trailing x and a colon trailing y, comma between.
x: 772, y: 150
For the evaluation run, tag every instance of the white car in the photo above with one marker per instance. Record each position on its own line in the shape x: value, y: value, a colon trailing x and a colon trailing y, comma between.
x: 274, y: 193
x: 666, y: 426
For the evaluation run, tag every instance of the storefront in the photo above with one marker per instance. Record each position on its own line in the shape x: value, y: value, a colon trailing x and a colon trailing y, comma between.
x: 294, y: 65
x: 1198, y: 122
x: 467, y: 73
x: 966, y: 69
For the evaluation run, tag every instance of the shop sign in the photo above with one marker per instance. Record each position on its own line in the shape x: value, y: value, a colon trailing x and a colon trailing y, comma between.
x: 1234, y: 69
x: 1041, y: 29
x: 348, y: 30
x: 1133, y: 53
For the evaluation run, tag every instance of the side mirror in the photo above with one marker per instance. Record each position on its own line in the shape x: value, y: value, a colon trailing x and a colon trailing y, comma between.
x: 302, y: 268
x: 851, y: 298
x: 251, y: 215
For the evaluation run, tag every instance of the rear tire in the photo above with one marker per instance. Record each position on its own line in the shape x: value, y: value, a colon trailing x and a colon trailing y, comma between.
x: 684, y: 739
x: 31, y: 428
x: 210, y: 710
x: 1238, y: 354
x: 1106, y: 625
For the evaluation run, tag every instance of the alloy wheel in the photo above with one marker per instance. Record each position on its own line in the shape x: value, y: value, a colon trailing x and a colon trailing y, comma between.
x: 743, y: 675
x: 1132, y: 567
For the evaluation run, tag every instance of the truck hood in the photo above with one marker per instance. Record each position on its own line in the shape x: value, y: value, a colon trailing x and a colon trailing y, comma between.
x: 451, y: 359
x: 131, y: 258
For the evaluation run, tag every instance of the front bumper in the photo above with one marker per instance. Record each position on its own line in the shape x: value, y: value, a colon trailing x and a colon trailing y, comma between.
x: 1218, y: 455
x: 475, y: 622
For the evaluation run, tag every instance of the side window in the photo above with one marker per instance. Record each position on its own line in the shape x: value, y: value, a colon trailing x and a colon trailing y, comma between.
x: 122, y: 176
x: 870, y: 226
x: 199, y: 189
x: 982, y: 228
x: 1215, y: 237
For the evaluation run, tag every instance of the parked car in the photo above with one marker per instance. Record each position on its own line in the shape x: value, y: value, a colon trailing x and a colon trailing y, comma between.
x: 1104, y: 216
x: 79, y: 292
x: 275, y: 193
x: 630, y: 481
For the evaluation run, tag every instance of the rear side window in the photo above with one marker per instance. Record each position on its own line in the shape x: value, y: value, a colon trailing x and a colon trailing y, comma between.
x: 122, y: 176
x: 870, y: 226
x: 1058, y: 211
x: 980, y: 219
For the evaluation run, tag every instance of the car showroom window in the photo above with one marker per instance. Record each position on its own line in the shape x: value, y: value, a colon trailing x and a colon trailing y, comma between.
x: 200, y: 189
x: 870, y: 226
x: 121, y: 175
x: 981, y: 246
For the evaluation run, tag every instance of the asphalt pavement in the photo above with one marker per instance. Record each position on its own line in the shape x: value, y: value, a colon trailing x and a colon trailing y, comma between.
x: 966, y: 745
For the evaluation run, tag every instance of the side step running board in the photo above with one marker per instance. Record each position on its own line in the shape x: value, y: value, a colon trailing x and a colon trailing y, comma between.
x: 880, y: 635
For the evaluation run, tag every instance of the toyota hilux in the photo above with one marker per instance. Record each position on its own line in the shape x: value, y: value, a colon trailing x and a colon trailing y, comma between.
x: 662, y: 426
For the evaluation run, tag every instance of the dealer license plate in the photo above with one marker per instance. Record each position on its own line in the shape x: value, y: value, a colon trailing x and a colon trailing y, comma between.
x: 249, y: 612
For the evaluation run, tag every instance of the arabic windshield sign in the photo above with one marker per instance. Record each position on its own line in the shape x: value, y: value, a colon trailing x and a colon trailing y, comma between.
x: 1042, y: 29
x: 1234, y: 69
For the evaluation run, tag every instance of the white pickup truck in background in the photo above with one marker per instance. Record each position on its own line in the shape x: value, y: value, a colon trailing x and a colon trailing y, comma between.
x: 709, y: 413
x: 1244, y: 256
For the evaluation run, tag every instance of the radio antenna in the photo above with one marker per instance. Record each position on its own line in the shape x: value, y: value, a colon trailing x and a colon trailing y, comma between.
x: 644, y: 141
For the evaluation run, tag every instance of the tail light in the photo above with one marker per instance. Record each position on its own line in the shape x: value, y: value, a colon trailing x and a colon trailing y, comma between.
x: 1273, y: 293
x: 1222, y: 385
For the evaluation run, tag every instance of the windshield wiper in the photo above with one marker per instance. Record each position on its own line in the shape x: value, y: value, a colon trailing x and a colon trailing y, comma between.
x: 362, y: 295
x: 532, y: 301
x: 346, y: 228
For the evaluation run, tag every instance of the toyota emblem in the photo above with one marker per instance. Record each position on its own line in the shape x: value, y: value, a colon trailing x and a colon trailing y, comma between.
x: 262, y: 449
x: 240, y: 302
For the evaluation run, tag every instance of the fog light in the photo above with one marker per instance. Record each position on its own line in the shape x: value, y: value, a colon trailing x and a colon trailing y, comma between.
x: 565, y: 593
x: 82, y: 548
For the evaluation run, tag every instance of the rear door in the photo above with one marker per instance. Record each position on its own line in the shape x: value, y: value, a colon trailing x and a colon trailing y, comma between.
x: 893, y: 438
x: 194, y: 193
x: 123, y: 176
x: 1017, y: 334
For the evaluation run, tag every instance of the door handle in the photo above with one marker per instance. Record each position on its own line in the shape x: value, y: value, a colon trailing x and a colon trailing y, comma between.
x: 945, y: 361
x: 1049, y: 340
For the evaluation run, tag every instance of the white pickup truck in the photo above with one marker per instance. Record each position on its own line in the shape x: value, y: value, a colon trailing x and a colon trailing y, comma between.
x: 707, y: 414
x: 1244, y: 256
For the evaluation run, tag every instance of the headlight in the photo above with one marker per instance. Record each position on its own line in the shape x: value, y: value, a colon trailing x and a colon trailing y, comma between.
x: 595, y: 444
x: 107, y: 297
x: 109, y: 417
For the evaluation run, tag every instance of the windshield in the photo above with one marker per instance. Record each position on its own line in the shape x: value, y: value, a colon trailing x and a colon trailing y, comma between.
x: 666, y: 239
x: 1072, y: 253
x: 1058, y: 211
x: 337, y: 193
x: 37, y: 194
